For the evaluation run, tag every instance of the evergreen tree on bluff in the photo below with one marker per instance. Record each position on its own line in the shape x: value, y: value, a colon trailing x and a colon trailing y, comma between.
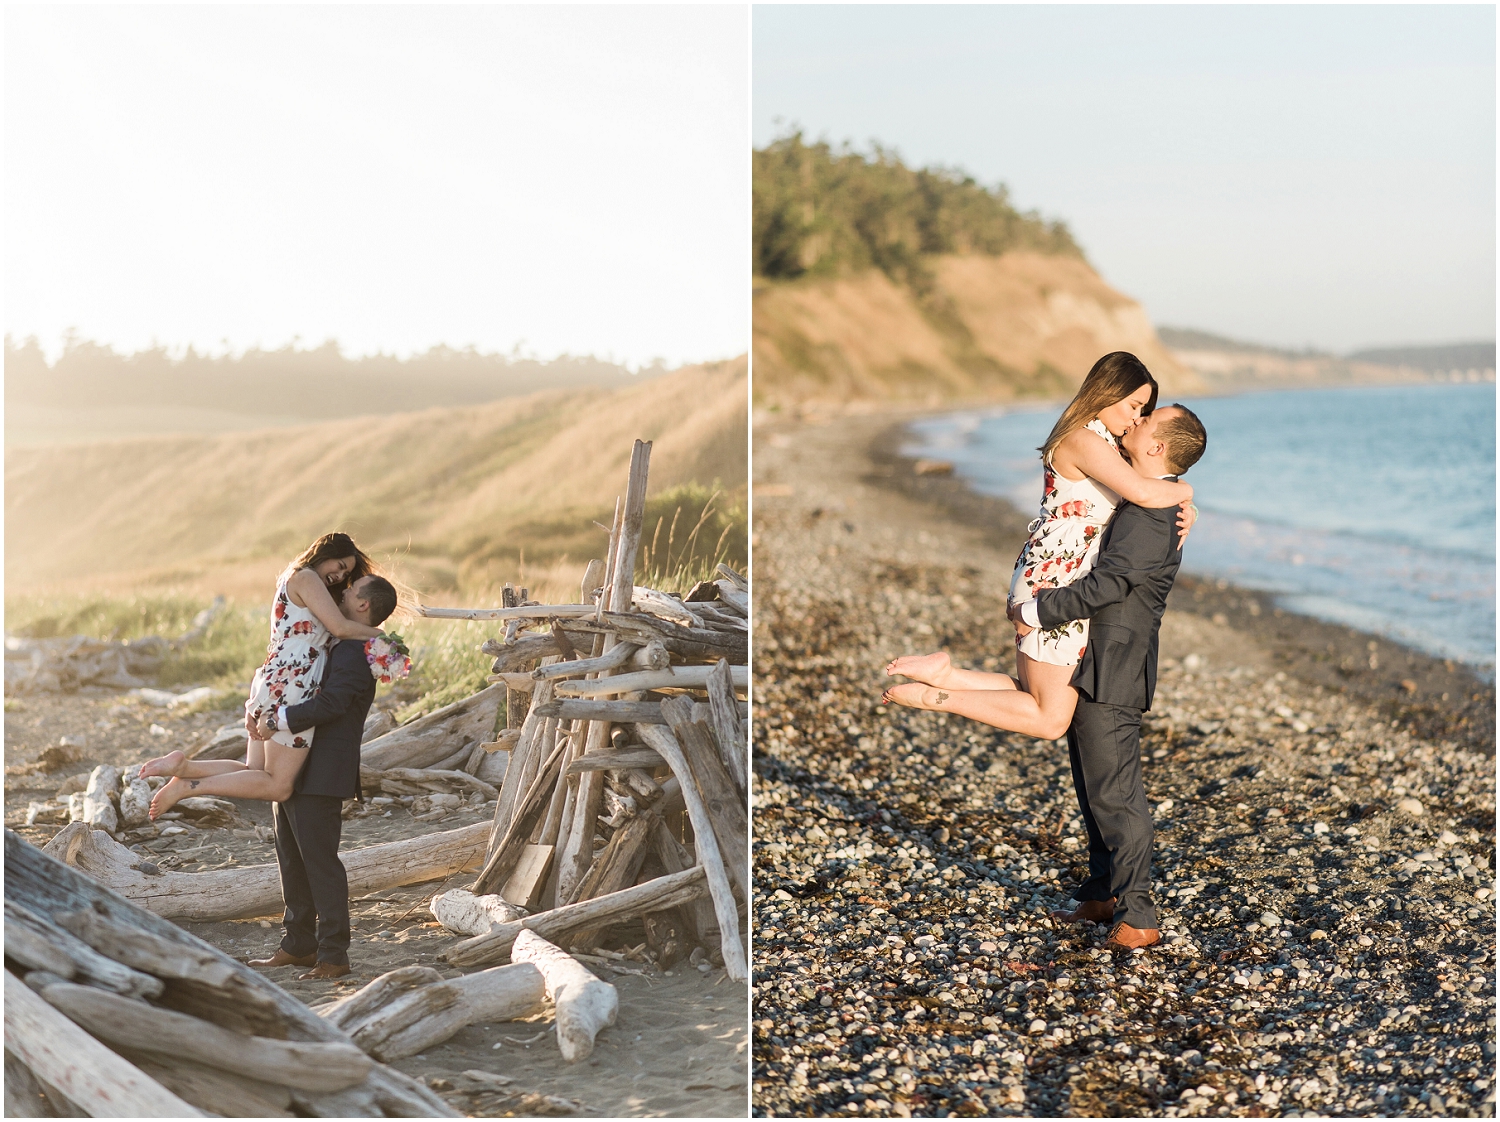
x: 820, y: 212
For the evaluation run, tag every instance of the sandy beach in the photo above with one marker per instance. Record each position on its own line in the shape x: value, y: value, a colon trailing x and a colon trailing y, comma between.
x: 1324, y: 807
x: 677, y: 1049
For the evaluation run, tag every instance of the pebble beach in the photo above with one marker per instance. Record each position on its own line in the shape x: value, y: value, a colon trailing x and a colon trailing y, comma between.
x: 1324, y: 862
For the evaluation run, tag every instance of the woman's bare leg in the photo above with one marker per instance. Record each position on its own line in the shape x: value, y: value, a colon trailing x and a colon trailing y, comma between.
x: 272, y: 785
x: 938, y: 670
x: 1045, y: 712
x: 175, y: 763
x: 255, y: 755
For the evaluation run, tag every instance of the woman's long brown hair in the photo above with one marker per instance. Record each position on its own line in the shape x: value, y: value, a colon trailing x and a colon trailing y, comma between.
x: 1113, y: 378
x: 328, y: 548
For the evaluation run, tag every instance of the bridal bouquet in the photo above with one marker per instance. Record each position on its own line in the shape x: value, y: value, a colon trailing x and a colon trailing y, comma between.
x: 388, y: 657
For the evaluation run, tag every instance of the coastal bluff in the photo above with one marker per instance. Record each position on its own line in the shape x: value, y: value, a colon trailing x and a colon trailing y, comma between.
x: 1021, y: 324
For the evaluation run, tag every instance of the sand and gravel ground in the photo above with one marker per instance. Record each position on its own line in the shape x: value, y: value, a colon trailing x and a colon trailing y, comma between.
x: 678, y: 1048
x: 1324, y: 866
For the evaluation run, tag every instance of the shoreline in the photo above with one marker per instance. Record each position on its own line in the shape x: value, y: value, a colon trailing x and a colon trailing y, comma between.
x: 1323, y: 863
x: 1440, y: 697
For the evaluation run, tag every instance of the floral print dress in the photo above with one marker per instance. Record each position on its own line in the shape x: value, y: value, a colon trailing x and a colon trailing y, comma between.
x: 294, y: 663
x: 1063, y: 545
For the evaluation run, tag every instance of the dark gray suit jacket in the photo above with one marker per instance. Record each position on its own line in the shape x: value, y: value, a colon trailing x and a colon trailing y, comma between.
x: 1123, y: 598
x: 338, y: 710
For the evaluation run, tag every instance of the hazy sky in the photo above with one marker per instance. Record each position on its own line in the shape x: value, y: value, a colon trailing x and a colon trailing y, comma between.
x: 393, y: 177
x: 1286, y: 174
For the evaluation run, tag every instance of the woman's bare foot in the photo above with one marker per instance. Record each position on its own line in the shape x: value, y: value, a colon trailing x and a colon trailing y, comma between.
x: 916, y: 696
x: 166, y: 798
x: 931, y: 668
x: 170, y: 764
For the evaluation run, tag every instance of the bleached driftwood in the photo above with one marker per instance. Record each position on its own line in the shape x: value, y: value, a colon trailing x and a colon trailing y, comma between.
x: 585, y: 1004
x: 144, y: 951
x: 736, y: 598
x: 255, y: 890
x: 49, y: 887
x: 463, y: 913
x: 646, y: 758
x: 431, y: 1014
x: 92, y: 1077
x: 531, y: 611
x: 305, y: 1065
x: 220, y: 1092
x: 664, y: 607
x: 617, y: 712
x: 436, y: 736
x: 577, y: 668
x: 708, y: 850
x: 359, y: 1006
x: 33, y: 941
x: 724, y: 718
x: 529, y: 809
x: 722, y: 798
x: 432, y: 778
x: 655, y: 895
x: 679, y: 677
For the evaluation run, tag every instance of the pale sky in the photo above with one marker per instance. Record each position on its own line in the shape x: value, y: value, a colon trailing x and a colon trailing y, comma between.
x: 1291, y: 175
x: 572, y: 179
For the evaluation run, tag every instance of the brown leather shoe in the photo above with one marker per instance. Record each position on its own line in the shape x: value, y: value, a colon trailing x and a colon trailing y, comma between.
x: 1127, y: 938
x: 323, y: 971
x: 1088, y: 911
x: 281, y: 958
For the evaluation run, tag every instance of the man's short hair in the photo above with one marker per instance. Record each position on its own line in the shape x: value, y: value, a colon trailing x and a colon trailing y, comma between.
x: 1185, y: 438
x: 382, y: 597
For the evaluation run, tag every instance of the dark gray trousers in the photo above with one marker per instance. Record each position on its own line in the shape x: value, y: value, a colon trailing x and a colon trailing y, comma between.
x: 314, y: 884
x: 1104, y: 746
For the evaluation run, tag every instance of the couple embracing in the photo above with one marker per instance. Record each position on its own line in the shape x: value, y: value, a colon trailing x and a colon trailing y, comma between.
x: 1087, y: 597
x: 305, y: 719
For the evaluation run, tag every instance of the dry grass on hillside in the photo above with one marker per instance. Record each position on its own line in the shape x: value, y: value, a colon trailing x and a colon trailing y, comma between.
x: 1020, y: 325
x: 457, y: 501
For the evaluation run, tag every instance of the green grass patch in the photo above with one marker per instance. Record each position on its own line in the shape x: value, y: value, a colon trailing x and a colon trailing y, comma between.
x: 225, y: 656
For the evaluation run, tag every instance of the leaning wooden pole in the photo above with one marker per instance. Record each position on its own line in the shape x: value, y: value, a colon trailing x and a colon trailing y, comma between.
x: 578, y: 850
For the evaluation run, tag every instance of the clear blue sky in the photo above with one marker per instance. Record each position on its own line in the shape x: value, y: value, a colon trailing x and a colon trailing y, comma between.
x: 1292, y: 175
x: 395, y: 177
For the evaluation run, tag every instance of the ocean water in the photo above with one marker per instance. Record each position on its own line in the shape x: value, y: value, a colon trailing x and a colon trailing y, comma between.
x: 1372, y: 507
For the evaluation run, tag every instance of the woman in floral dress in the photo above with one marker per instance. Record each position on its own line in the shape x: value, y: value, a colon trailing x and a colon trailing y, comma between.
x: 305, y: 623
x: 1085, y: 477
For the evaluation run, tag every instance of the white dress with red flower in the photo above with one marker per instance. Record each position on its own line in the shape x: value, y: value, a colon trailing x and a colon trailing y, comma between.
x: 294, y: 663
x: 1063, y: 545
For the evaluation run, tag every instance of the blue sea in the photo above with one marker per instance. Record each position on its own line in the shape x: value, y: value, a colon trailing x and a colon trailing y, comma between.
x: 1372, y: 507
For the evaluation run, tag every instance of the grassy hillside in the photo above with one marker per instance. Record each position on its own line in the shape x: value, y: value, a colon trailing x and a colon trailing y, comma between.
x: 882, y: 283
x: 456, y: 500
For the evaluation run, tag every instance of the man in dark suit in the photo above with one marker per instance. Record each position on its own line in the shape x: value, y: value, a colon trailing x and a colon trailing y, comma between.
x: 1123, y: 598
x: 314, y: 884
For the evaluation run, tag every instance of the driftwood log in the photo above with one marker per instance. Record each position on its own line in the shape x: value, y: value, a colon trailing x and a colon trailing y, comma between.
x: 618, y: 712
x: 38, y: 944
x: 301, y: 1065
x: 359, y: 1006
x: 49, y: 888
x: 223, y: 1093
x: 585, y: 1004
x: 674, y: 677
x: 463, y: 913
x: 437, y: 736
x: 654, y: 895
x: 722, y: 797
x: 255, y: 890
x: 430, y: 1014
x: 709, y: 858
x: 94, y: 1081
